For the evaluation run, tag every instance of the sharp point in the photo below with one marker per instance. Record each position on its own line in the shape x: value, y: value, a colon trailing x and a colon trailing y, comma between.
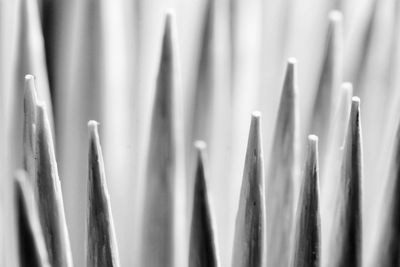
x: 355, y: 104
x: 200, y: 145
x: 93, y: 127
x: 313, y: 139
x: 335, y: 16
x: 256, y: 116
x: 169, y: 18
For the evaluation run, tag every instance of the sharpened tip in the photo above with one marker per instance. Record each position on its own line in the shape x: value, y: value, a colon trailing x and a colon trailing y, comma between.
x: 312, y: 138
x: 93, y: 128
x: 200, y: 145
x: 335, y: 16
x: 256, y: 115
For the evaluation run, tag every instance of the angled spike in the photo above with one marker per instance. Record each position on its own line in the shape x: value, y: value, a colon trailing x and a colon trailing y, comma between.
x: 329, y: 81
x: 158, y: 214
x: 102, y: 250
x: 203, y: 251
x: 32, y: 58
x: 389, y: 235
x: 347, y: 235
x: 32, y: 247
x: 249, y: 241
x: 308, y: 232
x: 203, y: 94
x: 282, y: 171
x: 30, y: 102
x: 49, y: 195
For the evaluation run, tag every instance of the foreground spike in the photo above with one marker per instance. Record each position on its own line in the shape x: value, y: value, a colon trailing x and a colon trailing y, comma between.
x: 249, y: 243
x: 158, y: 214
x: 30, y: 102
x: 102, y: 248
x: 203, y: 250
x: 279, y: 192
x: 347, y: 233
x: 32, y: 247
x: 329, y: 81
x: 49, y: 195
x: 387, y: 253
x: 308, y: 232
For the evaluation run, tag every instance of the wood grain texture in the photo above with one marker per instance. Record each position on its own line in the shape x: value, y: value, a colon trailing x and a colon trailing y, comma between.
x: 32, y: 247
x: 203, y: 251
x: 307, y: 243
x: 249, y: 241
x: 49, y: 195
x: 102, y: 250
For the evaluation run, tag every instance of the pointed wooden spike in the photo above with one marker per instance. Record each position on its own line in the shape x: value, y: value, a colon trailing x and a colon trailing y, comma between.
x: 249, y: 242
x: 49, y: 195
x: 102, y: 248
x: 329, y: 80
x: 308, y: 233
x: 32, y: 247
x: 348, y: 224
x: 158, y: 214
x: 389, y: 236
x: 203, y: 250
x: 281, y: 172
x: 30, y: 102
x: 203, y: 94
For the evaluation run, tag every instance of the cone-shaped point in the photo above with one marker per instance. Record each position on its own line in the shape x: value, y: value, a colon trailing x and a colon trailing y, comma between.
x: 49, y: 195
x: 101, y: 243
x: 32, y: 247
x: 249, y: 241
x: 203, y: 250
x: 335, y: 16
x: 308, y: 232
x: 282, y: 171
x: 348, y: 224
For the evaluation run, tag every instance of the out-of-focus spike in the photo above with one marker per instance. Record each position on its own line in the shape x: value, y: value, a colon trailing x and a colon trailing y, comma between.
x: 102, y: 250
x: 281, y: 173
x: 329, y: 81
x: 203, y: 250
x: 32, y: 247
x: 307, y: 245
x: 249, y: 241
x: 30, y: 102
x: 49, y: 195
x: 347, y: 235
x: 204, y: 89
x: 158, y: 215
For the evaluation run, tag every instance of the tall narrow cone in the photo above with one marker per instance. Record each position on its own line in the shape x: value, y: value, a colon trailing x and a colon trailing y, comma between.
x: 203, y: 250
x: 49, y: 195
x: 32, y: 247
x: 161, y: 174
x: 389, y: 234
x: 307, y: 245
x: 30, y: 102
x: 102, y: 250
x: 347, y: 235
x: 282, y: 171
x: 329, y: 81
x: 249, y: 241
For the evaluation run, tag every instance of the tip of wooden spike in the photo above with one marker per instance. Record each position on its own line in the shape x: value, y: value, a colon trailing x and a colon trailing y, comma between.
x: 312, y: 138
x: 256, y: 115
x: 335, y: 16
x: 200, y: 145
x: 292, y: 61
x: 169, y: 15
x: 29, y: 77
x: 355, y: 103
x: 93, y: 125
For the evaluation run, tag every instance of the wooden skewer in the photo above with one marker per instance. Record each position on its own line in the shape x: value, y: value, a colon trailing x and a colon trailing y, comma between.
x: 347, y: 235
x: 203, y: 250
x: 158, y: 214
x: 282, y: 171
x: 102, y: 250
x: 249, y: 242
x: 32, y: 247
x: 308, y: 231
x: 329, y: 81
x: 49, y: 195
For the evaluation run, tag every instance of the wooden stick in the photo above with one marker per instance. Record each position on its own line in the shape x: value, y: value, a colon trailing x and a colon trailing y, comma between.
x: 282, y: 171
x: 49, y: 195
x: 203, y: 249
x: 102, y: 250
x: 347, y: 235
x: 32, y: 247
x: 249, y: 243
x: 158, y: 215
x: 308, y: 233
x: 329, y: 81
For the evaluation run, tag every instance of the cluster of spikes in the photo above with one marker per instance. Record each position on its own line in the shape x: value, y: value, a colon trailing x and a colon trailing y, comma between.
x: 282, y: 217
